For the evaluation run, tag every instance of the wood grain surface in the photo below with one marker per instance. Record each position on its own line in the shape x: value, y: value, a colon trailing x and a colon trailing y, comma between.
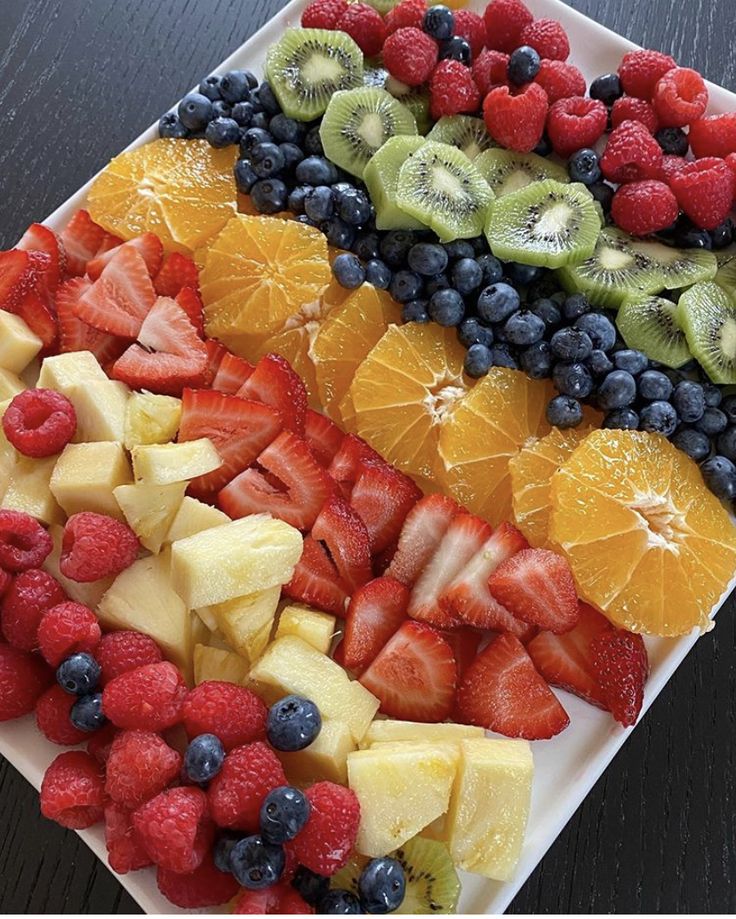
x: 79, y: 79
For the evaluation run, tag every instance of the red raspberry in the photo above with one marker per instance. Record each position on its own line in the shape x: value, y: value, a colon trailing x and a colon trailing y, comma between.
x: 640, y: 71
x: 548, y: 39
x: 631, y: 154
x: 470, y: 26
x: 24, y: 543
x: 575, y: 123
x: 670, y: 165
x: 149, y: 698
x: 279, y: 900
x: 731, y: 163
x: 504, y: 21
x: 100, y: 743
x: 73, y: 791
x: 205, y: 886
x: 23, y: 679
x: 714, y: 135
x: 175, y: 829
x: 121, y: 652
x: 560, y: 80
x: 410, y: 55
x: 237, y: 791
x: 704, y: 190
x: 124, y: 852
x: 489, y: 70
x: 452, y: 90
x: 327, y: 840
x: 140, y: 765
x: 629, y: 108
x: 515, y: 117
x: 39, y: 422
x: 408, y: 13
x: 52, y: 718
x: 96, y: 546
x: 365, y: 26
x: 30, y: 595
x: 66, y: 629
x: 641, y: 208
x: 323, y: 14
x: 6, y: 579
x: 233, y: 713
x: 680, y: 97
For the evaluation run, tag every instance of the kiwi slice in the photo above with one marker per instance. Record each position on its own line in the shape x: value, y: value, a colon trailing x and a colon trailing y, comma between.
x: 707, y: 315
x: 381, y: 176
x: 677, y: 267
x: 358, y: 122
x: 726, y: 274
x: 547, y: 224
x: 464, y: 132
x: 306, y: 66
x: 416, y: 100
x: 383, y: 6
x: 439, y: 186
x: 506, y: 171
x: 649, y: 324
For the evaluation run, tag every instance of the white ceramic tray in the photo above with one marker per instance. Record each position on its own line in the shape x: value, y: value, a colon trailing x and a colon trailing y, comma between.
x: 567, y: 767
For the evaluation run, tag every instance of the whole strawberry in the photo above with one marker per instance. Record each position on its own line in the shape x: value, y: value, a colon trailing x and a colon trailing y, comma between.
x: 621, y: 665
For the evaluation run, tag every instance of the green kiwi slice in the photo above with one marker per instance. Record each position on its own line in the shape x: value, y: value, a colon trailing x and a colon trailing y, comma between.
x: 381, y: 176
x: 439, y: 186
x: 464, y: 132
x: 707, y: 315
x: 507, y: 172
x: 677, y: 267
x: 358, y: 122
x: 415, y: 99
x: 649, y: 324
x: 547, y: 223
x: 383, y: 6
x: 726, y: 274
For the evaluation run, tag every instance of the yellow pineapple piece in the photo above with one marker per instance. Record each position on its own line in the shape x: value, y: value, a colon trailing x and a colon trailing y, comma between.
x: 247, y: 622
x: 218, y: 664
x: 100, y: 408
x: 325, y: 759
x: 208, y: 617
x: 192, y: 517
x: 62, y: 371
x: 86, y: 475
x: 150, y: 509
x: 18, y: 344
x: 7, y: 454
x: 316, y: 628
x: 88, y: 594
x: 389, y: 730
x: 151, y: 419
x: 10, y: 384
x: 28, y: 489
x: 163, y: 464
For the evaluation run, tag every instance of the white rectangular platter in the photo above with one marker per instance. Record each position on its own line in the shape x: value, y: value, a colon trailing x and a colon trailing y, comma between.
x: 567, y: 767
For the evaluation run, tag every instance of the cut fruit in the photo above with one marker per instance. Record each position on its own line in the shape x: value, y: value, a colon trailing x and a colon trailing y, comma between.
x: 376, y: 611
x: 707, y: 315
x: 164, y: 464
x: 324, y: 760
x: 422, y: 532
x: 86, y: 475
x: 507, y: 171
x: 151, y: 419
x: 465, y: 132
x: 677, y: 267
x: 18, y: 344
x: 192, y: 517
x: 247, y: 622
x: 218, y: 664
x: 274, y: 382
x: 150, y: 510
x: 726, y: 274
x: 648, y: 544
x: 316, y: 628
x: 390, y: 731
x: 650, y: 324
x: 414, y: 98
x: 316, y: 582
x: 381, y: 176
x: 339, y: 528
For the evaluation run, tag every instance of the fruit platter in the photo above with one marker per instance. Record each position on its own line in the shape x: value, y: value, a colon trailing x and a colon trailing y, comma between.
x: 368, y: 456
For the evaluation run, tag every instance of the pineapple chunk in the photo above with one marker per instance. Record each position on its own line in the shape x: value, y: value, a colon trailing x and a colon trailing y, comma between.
x: 200, y: 632
x: 450, y: 747
x: 150, y: 510
x: 247, y: 622
x: 151, y: 419
x: 7, y: 454
x: 290, y: 665
x: 10, y: 384
x: 208, y: 617
x: 86, y: 475
x: 233, y: 560
x: 401, y: 791
x: 100, y: 408
x: 29, y: 489
x: 326, y: 758
x: 389, y: 730
x: 89, y: 593
x: 192, y: 517
x: 163, y: 464
x: 217, y: 664
x: 18, y: 344
x: 62, y: 371
x: 490, y: 806
x: 316, y: 628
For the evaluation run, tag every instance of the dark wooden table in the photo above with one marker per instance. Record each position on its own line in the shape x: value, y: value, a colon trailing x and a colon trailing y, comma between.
x: 78, y: 80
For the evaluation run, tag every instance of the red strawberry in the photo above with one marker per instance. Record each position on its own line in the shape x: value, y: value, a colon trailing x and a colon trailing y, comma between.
x: 464, y: 643
x: 620, y: 662
x: 17, y: 277
x: 316, y: 582
x: 38, y: 238
x: 122, y: 296
x: 384, y: 559
x: 346, y: 538
x: 501, y: 691
x: 323, y: 436
x: 537, y: 586
x: 148, y: 246
x: 275, y: 383
x: 414, y: 675
x: 231, y: 373
x: 33, y: 309
x: 376, y: 611
x: 216, y: 352
x: 382, y: 497
x: 425, y: 525
x: 350, y: 460
x: 75, y: 335
x: 82, y: 239
x: 190, y: 301
x: 176, y: 273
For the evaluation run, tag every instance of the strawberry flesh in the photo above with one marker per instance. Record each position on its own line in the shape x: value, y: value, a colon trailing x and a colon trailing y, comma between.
x: 82, y: 239
x: 376, y: 611
x: 148, y: 245
x: 232, y: 372
x: 323, y: 436
x: 422, y: 531
x: 122, y: 296
x: 190, y: 301
x: 38, y: 238
x: 75, y: 335
x: 382, y: 496
x: 343, y: 532
x: 316, y: 581
x: 620, y: 662
x: 274, y: 382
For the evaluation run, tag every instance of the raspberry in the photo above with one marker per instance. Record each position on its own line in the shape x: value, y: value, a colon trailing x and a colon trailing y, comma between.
x: 233, y: 713
x: 73, y: 791
x: 515, y: 118
x: 52, y: 718
x: 39, y: 422
x: 365, y: 26
x: 408, y: 13
x: 100, y: 743
x: 323, y: 14
x: 149, y: 698
x: 410, y: 55
x: 640, y: 71
x: 140, y: 765
x: 6, y: 579
x: 671, y: 165
x: 731, y: 163
x: 66, y: 629
x: 629, y: 108
x: 121, y: 652
x: 23, y: 679
x: 124, y: 852
x: 452, y: 90
x: 175, y: 829
x: 641, y: 208
x: 575, y: 123
x: 279, y: 900
x: 96, y: 546
x: 548, y: 39
x: 680, y: 97
x: 504, y: 21
x: 237, y: 791
x: 205, y: 886
x: 631, y: 154
x: 24, y: 543
x: 30, y: 595
x: 704, y: 190
x: 470, y: 26
x: 489, y: 70
x: 560, y: 80
x: 326, y: 842
x: 714, y: 135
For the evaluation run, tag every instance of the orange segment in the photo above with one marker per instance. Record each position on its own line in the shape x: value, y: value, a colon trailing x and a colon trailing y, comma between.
x: 648, y: 543
x: 181, y: 190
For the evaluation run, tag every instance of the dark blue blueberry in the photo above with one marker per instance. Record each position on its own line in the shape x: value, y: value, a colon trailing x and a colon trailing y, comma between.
x: 284, y: 812
x: 446, y: 307
x: 728, y: 404
x: 267, y: 160
x: 286, y: 130
x: 367, y: 246
x: 492, y: 269
x: 338, y: 233
x: 617, y: 390
x: 502, y: 357
x: 251, y: 78
x: 467, y: 275
x: 319, y: 203
x: 222, y: 849
x: 243, y: 112
x: 382, y: 886
x: 435, y: 283
x: 78, y: 674
x: 267, y: 100
x: 543, y: 288
x: 302, y: 218
x: 726, y: 443
x: 524, y: 274
x: 536, y: 361
x: 339, y: 903
x: 439, y: 22
x: 221, y: 109
x: 658, y: 418
x: 603, y: 194
x: 235, y: 86
x: 203, y: 758
x: 354, y: 206
x: 427, y: 258
x: 655, y: 386
x: 316, y: 170
x: 692, y: 442
x: 583, y: 166
x: 311, y: 887
x: 293, y: 722
x: 252, y: 138
x: 459, y: 248
x: 712, y: 422
x: 720, y: 476
x: 712, y: 395
x: 313, y: 142
x: 456, y: 48
x: 523, y: 65
x: 523, y: 328
x: 548, y: 312
x: 497, y: 302
x: 260, y: 120
x: 256, y: 863
x: 601, y: 330
x: 622, y: 419
x: 222, y: 132
x: 86, y: 713
x: 195, y: 111
x: 292, y: 155
x: 723, y: 234
x: 378, y: 273
x: 170, y: 125
x: 395, y: 247
x: 480, y: 245
x: 564, y: 412
x: 630, y: 360
x: 269, y: 196
x: 689, y: 401
x: 693, y: 238
x: 573, y: 380
x: 348, y: 270
x: 471, y: 332
x: 571, y: 344
x: 415, y: 311
x: 606, y: 88
x: 210, y: 87
x: 544, y: 147
x: 245, y: 177
x: 575, y: 305
x: 478, y: 360
x: 599, y: 363
x: 673, y: 141
x: 406, y: 286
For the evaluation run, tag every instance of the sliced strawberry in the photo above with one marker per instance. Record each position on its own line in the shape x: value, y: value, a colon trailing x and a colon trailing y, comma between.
x: 338, y: 653
x: 619, y: 659
x: 120, y: 299
x: 216, y: 352
x: 464, y: 643
x: 376, y: 611
x: 109, y: 241
x: 38, y: 238
x: 177, y: 272
x: 425, y: 525
x: 275, y: 383
x: 148, y: 245
x: 316, y: 581
x: 33, y: 309
x: 82, y: 239
x: 75, y: 335
x: 232, y: 372
x: 190, y: 301
x: 348, y: 462
x: 414, y: 675
x: 346, y: 538
x: 290, y: 462
x: 382, y: 497
x: 382, y: 561
x: 17, y: 277
x: 501, y: 691
x: 323, y: 436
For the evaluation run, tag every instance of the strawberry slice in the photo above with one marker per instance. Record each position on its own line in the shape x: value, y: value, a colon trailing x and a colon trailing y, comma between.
x: 382, y: 497
x: 382, y: 561
x: 275, y: 383
x: 34, y: 310
x: 120, y: 299
x: 338, y: 653
x: 75, y: 335
x: 501, y: 691
x: 232, y: 372
x: 148, y: 245
x: 38, y: 238
x: 190, y: 301
x: 346, y: 538
x: 238, y: 428
x: 376, y: 611
x: 316, y: 581
x: 176, y: 273
x: 414, y: 675
x: 425, y: 525
x: 537, y: 586
x: 305, y: 485
x: 216, y: 352
x: 82, y: 239
x: 349, y: 461
x: 17, y: 277
x: 323, y: 436
x: 620, y: 662
x: 464, y: 643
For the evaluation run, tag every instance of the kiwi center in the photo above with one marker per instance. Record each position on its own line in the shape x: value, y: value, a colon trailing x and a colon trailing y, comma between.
x: 665, y: 524
x: 614, y: 259
x: 321, y: 68
x: 553, y: 219
x: 445, y: 183
x: 371, y: 129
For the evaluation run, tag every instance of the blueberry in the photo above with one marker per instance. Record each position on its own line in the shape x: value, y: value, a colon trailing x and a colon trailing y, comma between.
x: 712, y: 422
x: 339, y: 902
x: 601, y: 330
x: 573, y: 380
x: 86, y: 713
x: 269, y: 196
x: 382, y: 885
x: 492, y: 269
x: 286, y: 130
x: 723, y: 234
x: 292, y: 155
x: 456, y: 49
x: 222, y: 849
x: 726, y: 443
x: 523, y: 65
x: 406, y: 286
x: 284, y: 812
x: 195, y: 111
x: 319, y: 203
x: 574, y: 305
x: 415, y: 311
x: 354, y: 207
x: 673, y: 141
x: 313, y: 142
x: 439, y: 22
x: 693, y: 238
x: 348, y: 270
x: 658, y: 418
x: 480, y: 245
x: 543, y: 288
x: 203, y: 758
x: 712, y: 395
x: 435, y: 283
x: 523, y: 328
x: 316, y: 170
x: 606, y: 88
x: 622, y: 419
x: 617, y: 390
x: 221, y: 109
x: 293, y: 722
x: 478, y: 360
x: 267, y: 160
x: 78, y: 674
x: 536, y: 361
x: 720, y: 476
x: 367, y: 246
x: 235, y: 87
x: 259, y: 120
x: 267, y: 99
x: 471, y: 332
x: 502, y: 357
x: 378, y: 273
x: 729, y: 407
x: 427, y: 258
x: 245, y: 177
x: 497, y: 302
x: 692, y: 442
x: 544, y: 147
x: 222, y: 132
x: 170, y: 125
x: 571, y: 344
x: 459, y: 248
x: 603, y: 194
x: 252, y: 138
x: 599, y: 363
x: 548, y: 312
x: 583, y: 166
x: 256, y: 863
x: 633, y: 362
x: 689, y: 401
x: 251, y: 78
x: 467, y: 275
x: 564, y: 412
x: 655, y: 386
x: 524, y: 274
x: 210, y: 87
x: 395, y: 247
x: 311, y: 887
x: 242, y: 113
x: 446, y: 307
x: 338, y: 233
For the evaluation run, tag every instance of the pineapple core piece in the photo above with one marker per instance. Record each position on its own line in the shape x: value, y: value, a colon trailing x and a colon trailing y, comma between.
x: 164, y: 464
x: 151, y: 419
x: 218, y: 664
x: 246, y: 622
x: 150, y: 509
x: 316, y: 628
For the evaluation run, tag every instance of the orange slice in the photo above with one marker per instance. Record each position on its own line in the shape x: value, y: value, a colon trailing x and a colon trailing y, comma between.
x: 648, y: 543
